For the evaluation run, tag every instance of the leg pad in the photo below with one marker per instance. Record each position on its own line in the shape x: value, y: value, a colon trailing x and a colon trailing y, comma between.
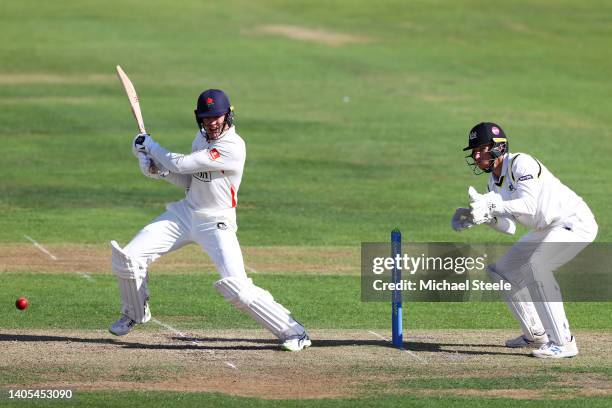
x: 260, y: 305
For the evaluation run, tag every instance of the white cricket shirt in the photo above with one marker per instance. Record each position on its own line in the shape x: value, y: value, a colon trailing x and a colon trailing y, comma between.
x: 533, y: 195
x: 215, y: 167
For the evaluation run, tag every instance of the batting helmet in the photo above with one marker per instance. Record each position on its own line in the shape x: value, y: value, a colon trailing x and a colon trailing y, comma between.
x: 213, y: 103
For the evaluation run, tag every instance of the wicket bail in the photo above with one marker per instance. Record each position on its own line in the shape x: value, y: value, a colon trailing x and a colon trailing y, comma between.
x: 397, y: 336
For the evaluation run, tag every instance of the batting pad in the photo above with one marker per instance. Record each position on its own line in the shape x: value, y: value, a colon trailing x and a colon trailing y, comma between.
x: 132, y: 278
x: 520, y: 304
x: 552, y: 313
x: 260, y: 305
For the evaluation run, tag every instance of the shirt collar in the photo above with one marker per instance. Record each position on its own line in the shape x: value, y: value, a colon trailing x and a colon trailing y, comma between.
x: 504, y: 168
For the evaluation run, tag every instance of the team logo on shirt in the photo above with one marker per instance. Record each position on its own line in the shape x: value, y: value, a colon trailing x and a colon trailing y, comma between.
x: 511, y: 187
x: 525, y: 177
x: 214, y: 154
x: 203, y: 176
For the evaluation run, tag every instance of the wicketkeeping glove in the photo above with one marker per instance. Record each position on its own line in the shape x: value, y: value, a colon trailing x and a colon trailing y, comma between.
x: 484, y: 206
x: 462, y: 219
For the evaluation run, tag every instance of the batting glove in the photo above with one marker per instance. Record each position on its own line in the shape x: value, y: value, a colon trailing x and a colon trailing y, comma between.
x: 149, y: 168
x: 462, y: 219
x: 143, y: 143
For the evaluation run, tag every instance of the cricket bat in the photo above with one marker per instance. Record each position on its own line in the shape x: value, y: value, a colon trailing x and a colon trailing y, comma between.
x: 135, y: 104
x: 132, y: 97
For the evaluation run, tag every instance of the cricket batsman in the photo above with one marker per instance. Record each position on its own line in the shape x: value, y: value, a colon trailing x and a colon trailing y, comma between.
x: 211, y: 176
x: 521, y: 189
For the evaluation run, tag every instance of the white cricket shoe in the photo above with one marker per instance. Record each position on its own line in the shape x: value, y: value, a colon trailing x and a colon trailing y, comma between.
x: 296, y: 343
x: 125, y: 324
x: 122, y: 326
x: 522, y: 341
x: 551, y: 350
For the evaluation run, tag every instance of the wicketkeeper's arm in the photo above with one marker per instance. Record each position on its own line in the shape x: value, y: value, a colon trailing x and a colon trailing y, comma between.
x: 526, y: 178
x: 507, y: 225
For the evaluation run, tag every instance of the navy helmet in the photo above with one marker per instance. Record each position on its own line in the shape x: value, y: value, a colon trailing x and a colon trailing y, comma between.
x: 213, y: 103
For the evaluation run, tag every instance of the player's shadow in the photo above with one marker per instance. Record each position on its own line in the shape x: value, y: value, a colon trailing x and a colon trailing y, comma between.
x: 220, y: 339
x: 416, y: 346
x: 203, y: 343
x: 190, y: 344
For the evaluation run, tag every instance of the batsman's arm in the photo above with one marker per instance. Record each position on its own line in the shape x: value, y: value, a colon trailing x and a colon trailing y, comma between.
x: 203, y: 160
x: 149, y: 168
x: 181, y: 180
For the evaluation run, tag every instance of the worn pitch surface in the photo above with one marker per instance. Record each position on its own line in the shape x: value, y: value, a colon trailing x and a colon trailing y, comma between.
x: 340, y: 363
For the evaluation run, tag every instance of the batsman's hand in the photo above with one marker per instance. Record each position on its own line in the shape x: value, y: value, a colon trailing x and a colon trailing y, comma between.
x: 143, y: 143
x: 149, y: 168
x: 462, y: 219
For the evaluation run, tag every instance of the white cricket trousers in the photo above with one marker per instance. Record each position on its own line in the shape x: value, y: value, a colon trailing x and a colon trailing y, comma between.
x: 181, y: 225
x: 529, y: 267
x: 216, y: 234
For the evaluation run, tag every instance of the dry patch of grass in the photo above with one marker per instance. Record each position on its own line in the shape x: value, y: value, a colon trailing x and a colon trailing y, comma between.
x: 320, y: 36
x: 46, y: 78
x: 96, y: 259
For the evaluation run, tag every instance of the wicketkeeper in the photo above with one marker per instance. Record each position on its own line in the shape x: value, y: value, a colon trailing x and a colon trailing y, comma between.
x: 211, y: 176
x: 521, y: 189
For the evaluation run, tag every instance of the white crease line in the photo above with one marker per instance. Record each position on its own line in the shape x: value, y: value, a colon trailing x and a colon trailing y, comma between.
x: 173, y: 330
x: 160, y: 323
x: 380, y: 336
x: 249, y: 269
x: 154, y: 320
x: 183, y: 335
x: 43, y: 249
x: 87, y: 276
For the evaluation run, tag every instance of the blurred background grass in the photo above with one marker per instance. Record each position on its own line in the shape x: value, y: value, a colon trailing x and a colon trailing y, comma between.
x: 343, y: 142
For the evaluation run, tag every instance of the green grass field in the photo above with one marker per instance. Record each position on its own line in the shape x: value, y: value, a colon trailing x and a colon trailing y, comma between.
x: 351, y: 131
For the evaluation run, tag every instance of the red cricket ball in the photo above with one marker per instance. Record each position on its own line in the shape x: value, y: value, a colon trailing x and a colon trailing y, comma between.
x: 21, y: 303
